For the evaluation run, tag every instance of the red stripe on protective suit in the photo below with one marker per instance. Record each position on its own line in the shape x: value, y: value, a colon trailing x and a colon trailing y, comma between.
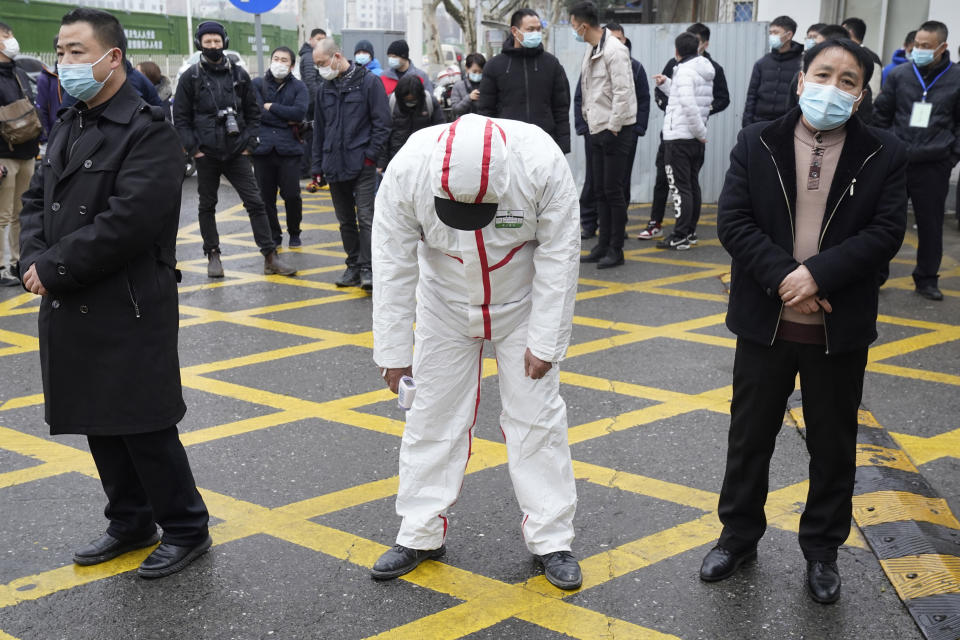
x: 485, y: 270
x: 509, y: 257
x: 445, y: 176
x: 485, y: 163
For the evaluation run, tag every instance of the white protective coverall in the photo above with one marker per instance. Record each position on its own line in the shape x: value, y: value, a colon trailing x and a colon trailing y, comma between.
x: 511, y: 283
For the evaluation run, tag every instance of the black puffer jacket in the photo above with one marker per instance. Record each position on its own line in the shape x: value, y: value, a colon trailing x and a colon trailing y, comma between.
x: 892, y: 109
x: 203, y: 90
x: 308, y: 73
x: 862, y: 230
x: 768, y: 97
x: 528, y: 85
x: 10, y: 91
x: 407, y: 120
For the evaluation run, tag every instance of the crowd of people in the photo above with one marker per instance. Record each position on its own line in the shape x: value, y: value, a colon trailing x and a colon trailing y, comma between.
x: 472, y: 230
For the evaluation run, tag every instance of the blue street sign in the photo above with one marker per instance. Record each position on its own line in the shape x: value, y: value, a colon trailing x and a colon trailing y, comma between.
x: 255, y: 6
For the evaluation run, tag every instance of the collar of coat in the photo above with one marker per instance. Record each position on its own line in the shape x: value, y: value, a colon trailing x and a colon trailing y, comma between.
x: 121, y: 108
x: 859, y: 145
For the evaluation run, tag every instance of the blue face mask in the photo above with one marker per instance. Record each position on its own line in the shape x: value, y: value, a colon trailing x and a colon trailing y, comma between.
x: 362, y: 59
x: 774, y: 41
x: 809, y: 43
x: 824, y: 106
x: 475, y: 77
x: 532, y: 39
x: 394, y: 62
x: 78, y: 79
x: 922, y: 57
x: 577, y: 36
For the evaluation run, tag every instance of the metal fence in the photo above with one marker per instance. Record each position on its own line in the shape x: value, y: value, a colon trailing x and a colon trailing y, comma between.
x: 735, y: 46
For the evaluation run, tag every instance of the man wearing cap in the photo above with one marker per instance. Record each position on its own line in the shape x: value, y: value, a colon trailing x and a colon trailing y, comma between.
x: 399, y: 65
x: 476, y: 238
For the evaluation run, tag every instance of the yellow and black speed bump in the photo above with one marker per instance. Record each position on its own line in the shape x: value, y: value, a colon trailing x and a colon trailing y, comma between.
x: 910, y: 528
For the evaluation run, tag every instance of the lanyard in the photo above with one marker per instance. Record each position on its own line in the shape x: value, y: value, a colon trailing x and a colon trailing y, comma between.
x: 926, y: 87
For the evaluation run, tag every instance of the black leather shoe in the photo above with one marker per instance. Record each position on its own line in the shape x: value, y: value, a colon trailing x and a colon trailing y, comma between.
x: 614, y: 258
x: 350, y: 278
x: 823, y: 581
x: 595, y: 254
x: 930, y: 292
x: 366, y: 279
x: 561, y: 569
x: 720, y: 564
x: 586, y: 235
x: 106, y: 547
x: 400, y: 560
x: 167, y: 559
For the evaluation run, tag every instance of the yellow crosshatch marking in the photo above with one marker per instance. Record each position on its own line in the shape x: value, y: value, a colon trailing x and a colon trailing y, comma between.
x: 485, y: 601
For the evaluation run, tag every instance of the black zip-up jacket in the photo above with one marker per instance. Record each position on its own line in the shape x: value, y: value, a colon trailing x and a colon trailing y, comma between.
x: 529, y: 85
x: 862, y: 229
x: 768, y: 97
x: 10, y: 92
x: 940, y: 141
x: 203, y: 90
x: 721, y: 94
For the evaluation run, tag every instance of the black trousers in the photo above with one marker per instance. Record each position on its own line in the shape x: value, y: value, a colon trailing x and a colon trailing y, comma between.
x: 683, y: 160
x: 588, y: 201
x: 239, y: 172
x: 148, y: 481
x: 927, y: 186
x: 763, y: 379
x: 274, y: 171
x: 611, y: 156
x: 306, y: 160
x: 660, y: 188
x: 353, y: 204
x: 628, y: 175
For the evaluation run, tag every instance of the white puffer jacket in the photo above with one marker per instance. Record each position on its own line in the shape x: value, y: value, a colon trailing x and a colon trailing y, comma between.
x: 691, y: 94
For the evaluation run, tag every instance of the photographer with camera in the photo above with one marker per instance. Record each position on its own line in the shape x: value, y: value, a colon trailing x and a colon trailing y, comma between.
x: 276, y: 160
x: 217, y: 116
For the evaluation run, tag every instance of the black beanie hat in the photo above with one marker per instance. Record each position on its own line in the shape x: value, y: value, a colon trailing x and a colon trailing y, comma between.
x: 399, y: 48
x: 211, y: 27
x: 364, y: 45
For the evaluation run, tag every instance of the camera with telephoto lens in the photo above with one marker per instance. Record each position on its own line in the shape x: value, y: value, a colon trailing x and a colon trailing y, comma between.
x: 229, y: 117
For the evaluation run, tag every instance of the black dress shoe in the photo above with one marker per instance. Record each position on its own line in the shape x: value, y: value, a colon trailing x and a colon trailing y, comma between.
x: 350, y: 278
x: 595, y: 254
x: 614, y: 258
x: 400, y: 560
x: 586, y: 235
x: 366, y: 279
x: 168, y: 559
x: 823, y: 580
x: 720, y: 564
x: 106, y: 547
x: 930, y: 292
x: 561, y: 569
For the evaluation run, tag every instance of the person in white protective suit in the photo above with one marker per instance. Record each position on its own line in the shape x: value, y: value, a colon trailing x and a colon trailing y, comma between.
x: 476, y: 237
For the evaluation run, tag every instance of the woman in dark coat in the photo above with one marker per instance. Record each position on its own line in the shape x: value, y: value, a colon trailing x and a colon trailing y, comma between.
x: 412, y: 109
x: 466, y: 92
x: 276, y: 160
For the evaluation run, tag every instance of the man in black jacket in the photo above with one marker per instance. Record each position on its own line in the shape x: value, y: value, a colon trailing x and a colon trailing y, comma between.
x: 769, y: 92
x: 526, y: 83
x: 17, y: 158
x: 721, y: 100
x: 99, y: 235
x: 808, y: 260
x: 350, y: 132
x: 217, y: 115
x: 308, y: 74
x: 920, y: 102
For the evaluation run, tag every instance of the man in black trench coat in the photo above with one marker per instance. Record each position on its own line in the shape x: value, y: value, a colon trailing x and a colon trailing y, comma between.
x: 99, y: 226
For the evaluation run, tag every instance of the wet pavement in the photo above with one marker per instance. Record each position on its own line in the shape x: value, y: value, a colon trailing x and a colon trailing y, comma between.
x: 294, y: 443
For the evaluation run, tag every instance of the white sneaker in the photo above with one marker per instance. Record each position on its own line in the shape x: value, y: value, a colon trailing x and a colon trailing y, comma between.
x: 652, y: 231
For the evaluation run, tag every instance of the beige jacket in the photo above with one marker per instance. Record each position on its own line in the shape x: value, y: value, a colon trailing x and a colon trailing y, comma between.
x: 606, y: 84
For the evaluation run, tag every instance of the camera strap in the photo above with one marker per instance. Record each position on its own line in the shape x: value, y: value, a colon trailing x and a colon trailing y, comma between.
x: 205, y: 80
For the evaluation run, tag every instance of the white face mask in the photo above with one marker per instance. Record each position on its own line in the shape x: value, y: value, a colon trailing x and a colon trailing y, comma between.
x: 11, y: 48
x: 328, y: 72
x: 279, y: 70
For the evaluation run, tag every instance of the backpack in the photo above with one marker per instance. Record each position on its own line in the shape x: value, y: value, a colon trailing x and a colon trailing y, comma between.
x: 19, y: 120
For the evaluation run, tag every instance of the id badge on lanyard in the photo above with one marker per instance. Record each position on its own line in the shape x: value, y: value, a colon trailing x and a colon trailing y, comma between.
x: 921, y: 112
